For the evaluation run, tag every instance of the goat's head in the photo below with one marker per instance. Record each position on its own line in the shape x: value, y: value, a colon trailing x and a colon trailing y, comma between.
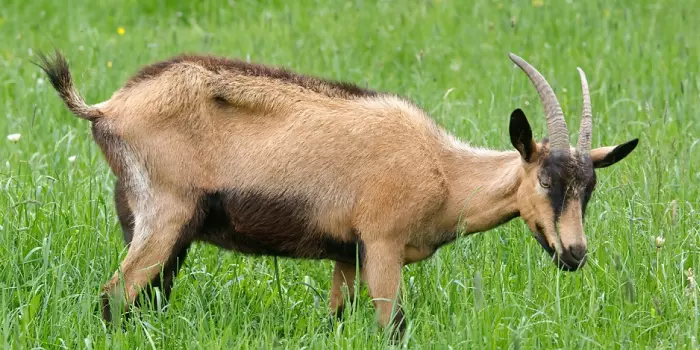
x: 558, y: 180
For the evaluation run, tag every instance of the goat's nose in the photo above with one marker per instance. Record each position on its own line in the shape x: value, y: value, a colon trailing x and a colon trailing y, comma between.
x: 578, y: 251
x: 573, y: 257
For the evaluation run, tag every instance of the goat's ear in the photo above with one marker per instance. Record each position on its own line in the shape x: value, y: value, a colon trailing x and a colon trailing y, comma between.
x: 521, y: 135
x: 606, y: 156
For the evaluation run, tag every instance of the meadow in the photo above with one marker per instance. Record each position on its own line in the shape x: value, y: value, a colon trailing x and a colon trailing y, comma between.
x: 60, y: 239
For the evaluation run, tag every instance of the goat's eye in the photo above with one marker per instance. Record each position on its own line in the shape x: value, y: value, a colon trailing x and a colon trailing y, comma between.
x: 544, y: 183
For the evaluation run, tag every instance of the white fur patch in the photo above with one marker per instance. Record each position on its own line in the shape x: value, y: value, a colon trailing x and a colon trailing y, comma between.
x: 139, y: 184
x: 100, y: 105
x: 137, y: 175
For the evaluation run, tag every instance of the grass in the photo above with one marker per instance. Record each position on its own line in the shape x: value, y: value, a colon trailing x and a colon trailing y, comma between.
x: 59, y: 237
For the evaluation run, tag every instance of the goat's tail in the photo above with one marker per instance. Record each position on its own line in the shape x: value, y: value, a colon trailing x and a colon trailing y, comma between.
x: 59, y: 75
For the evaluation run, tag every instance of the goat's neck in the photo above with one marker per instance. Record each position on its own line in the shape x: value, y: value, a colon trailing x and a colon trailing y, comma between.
x: 483, y: 186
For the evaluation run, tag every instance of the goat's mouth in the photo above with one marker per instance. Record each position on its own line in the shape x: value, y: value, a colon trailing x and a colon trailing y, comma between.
x: 539, y: 236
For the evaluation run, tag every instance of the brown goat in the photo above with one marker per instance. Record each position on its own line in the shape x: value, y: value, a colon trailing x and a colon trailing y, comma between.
x: 264, y: 161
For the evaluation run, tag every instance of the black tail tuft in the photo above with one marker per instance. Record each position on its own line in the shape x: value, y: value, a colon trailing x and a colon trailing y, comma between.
x: 59, y: 74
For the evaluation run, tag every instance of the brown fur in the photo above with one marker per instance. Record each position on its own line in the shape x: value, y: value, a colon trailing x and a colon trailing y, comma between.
x: 219, y: 65
x: 264, y: 161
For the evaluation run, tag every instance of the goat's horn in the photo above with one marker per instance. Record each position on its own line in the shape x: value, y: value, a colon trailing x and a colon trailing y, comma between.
x: 556, y: 125
x: 586, y: 129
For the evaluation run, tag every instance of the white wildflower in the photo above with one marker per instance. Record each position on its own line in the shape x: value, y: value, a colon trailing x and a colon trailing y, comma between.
x: 660, y: 241
x: 14, y: 137
x: 72, y: 159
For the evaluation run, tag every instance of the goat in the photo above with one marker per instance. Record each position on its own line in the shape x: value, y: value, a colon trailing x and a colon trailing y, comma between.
x: 265, y: 161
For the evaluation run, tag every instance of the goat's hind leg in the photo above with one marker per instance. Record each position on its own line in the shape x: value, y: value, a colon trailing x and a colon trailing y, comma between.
x: 163, y: 282
x: 124, y: 212
x: 161, y: 237
x: 344, y: 275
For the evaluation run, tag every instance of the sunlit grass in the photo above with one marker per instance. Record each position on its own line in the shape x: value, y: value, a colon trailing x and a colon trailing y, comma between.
x: 60, y: 241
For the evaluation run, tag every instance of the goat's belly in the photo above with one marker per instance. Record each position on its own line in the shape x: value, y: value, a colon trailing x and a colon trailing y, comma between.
x: 256, y: 224
x: 292, y: 247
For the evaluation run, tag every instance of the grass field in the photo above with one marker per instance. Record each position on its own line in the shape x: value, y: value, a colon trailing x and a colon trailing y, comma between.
x: 60, y: 240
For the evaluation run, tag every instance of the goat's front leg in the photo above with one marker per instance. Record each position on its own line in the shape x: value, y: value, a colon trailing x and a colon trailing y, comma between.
x: 381, y: 270
x: 162, y: 233
x: 343, y: 275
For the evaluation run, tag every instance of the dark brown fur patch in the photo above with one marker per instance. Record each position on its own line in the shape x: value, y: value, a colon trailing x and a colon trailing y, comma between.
x: 220, y: 64
x: 124, y: 213
x: 260, y: 224
x: 590, y: 186
x: 567, y: 173
x: 539, y: 236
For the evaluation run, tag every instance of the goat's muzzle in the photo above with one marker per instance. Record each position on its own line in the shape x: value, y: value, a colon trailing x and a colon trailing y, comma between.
x: 571, y: 258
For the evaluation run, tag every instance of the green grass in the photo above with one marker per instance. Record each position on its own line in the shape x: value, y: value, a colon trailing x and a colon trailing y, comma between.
x: 60, y: 241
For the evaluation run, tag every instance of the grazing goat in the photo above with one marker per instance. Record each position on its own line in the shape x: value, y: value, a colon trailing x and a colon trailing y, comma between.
x: 264, y: 161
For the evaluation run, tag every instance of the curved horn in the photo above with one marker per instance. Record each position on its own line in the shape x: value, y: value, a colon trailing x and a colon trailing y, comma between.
x: 556, y: 125
x: 586, y: 129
